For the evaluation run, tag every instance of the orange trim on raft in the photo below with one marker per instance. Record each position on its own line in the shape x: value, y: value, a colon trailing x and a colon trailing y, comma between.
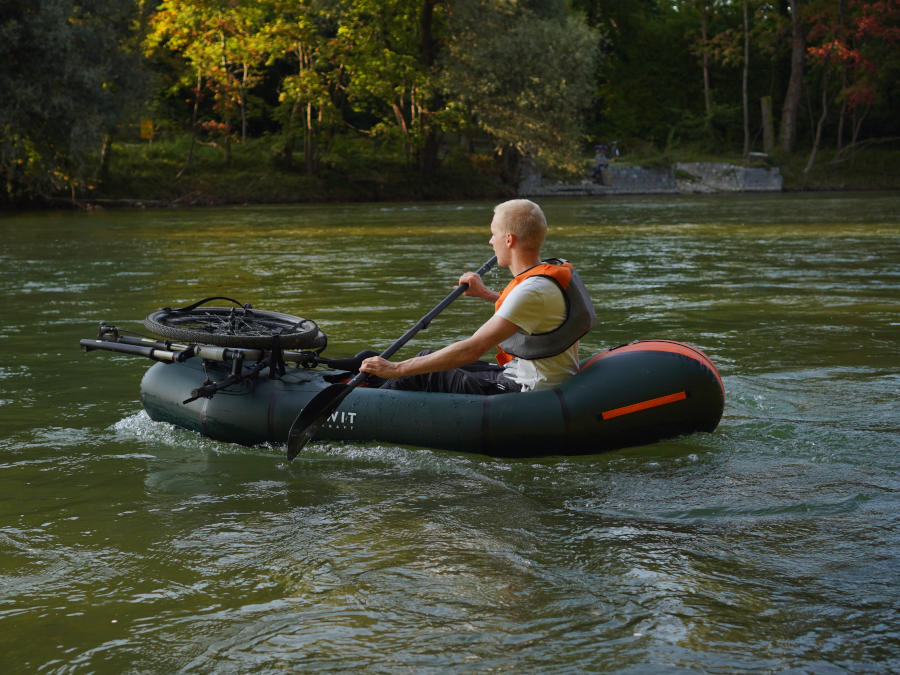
x: 643, y: 405
x: 660, y: 346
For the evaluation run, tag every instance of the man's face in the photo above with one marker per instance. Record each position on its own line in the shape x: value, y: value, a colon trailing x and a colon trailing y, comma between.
x: 499, y: 240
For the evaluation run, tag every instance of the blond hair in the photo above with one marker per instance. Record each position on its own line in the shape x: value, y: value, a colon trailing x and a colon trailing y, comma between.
x: 524, y: 219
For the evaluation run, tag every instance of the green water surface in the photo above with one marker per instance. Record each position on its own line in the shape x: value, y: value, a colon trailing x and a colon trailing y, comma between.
x: 772, y: 544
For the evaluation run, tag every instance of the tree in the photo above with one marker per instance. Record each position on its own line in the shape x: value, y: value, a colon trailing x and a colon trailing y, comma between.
x: 853, y: 41
x: 523, y: 77
x: 731, y: 48
x: 647, y: 88
x: 301, y: 35
x: 219, y: 39
x: 389, y: 48
x: 745, y: 74
x: 702, y: 47
x: 69, y: 78
x: 788, y: 133
x: 704, y: 54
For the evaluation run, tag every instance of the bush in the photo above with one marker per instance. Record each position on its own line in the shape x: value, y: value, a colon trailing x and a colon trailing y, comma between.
x: 352, y: 169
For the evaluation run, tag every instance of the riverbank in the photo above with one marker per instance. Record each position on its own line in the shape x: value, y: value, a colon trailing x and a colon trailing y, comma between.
x: 868, y: 169
x: 680, y: 178
x: 154, y: 176
x: 150, y: 175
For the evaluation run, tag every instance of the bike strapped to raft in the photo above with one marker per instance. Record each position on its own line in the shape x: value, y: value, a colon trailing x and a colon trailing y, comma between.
x: 232, y: 335
x: 240, y: 326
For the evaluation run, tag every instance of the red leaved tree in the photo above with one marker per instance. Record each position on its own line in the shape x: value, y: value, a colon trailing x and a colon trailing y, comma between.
x: 856, y: 42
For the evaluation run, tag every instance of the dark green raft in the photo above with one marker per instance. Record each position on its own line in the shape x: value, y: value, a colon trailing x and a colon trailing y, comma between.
x: 625, y: 396
x: 229, y: 374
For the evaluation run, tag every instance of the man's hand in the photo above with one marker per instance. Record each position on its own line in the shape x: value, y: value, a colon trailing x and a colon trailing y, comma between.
x: 476, y: 288
x: 375, y: 365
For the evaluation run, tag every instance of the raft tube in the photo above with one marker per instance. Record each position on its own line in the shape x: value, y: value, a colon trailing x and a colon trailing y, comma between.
x: 628, y: 395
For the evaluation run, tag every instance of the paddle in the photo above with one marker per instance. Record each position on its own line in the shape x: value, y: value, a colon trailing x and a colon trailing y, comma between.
x: 326, y: 401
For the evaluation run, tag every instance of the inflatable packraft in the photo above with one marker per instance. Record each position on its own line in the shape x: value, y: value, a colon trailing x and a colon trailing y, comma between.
x: 624, y: 396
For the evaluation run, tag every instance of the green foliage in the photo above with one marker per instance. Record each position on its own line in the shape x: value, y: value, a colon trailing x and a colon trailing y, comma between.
x: 650, y: 76
x: 395, y: 96
x: 401, y: 71
x: 869, y: 166
x: 70, y: 77
x: 388, y: 72
x: 526, y: 78
x: 221, y: 42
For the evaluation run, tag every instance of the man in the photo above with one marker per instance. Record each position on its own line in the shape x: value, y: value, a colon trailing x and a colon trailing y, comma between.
x: 538, y: 320
x: 600, y: 162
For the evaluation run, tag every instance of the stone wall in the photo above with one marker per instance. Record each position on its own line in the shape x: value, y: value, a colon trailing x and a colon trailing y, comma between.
x: 719, y: 177
x: 683, y: 178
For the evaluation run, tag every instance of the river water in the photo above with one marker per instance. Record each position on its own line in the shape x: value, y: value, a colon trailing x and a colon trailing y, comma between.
x: 772, y: 544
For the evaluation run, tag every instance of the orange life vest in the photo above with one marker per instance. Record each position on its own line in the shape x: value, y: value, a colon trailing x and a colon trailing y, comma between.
x: 561, y: 273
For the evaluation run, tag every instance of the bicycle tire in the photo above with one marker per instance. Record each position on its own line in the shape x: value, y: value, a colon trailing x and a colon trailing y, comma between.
x: 236, y: 327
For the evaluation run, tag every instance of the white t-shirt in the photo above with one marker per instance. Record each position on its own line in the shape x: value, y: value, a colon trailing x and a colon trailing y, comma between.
x: 537, y: 305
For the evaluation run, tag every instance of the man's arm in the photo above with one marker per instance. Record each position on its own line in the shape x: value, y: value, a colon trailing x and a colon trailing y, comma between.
x: 494, y: 331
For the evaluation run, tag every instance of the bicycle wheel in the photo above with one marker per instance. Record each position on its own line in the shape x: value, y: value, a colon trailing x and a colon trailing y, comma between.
x: 235, y: 327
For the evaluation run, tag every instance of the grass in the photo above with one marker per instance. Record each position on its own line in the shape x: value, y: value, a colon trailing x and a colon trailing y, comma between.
x: 149, y: 172
x: 871, y: 167
x: 358, y: 170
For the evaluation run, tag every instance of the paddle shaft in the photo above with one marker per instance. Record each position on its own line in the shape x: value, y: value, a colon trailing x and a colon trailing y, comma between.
x: 326, y: 401
x: 424, y: 321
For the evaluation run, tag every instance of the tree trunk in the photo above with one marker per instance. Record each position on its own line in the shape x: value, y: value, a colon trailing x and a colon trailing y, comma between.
x: 842, y: 117
x: 843, y: 114
x: 290, y: 137
x: 227, y: 121
x: 105, y: 156
x: 745, y: 77
x: 707, y: 91
x: 765, y: 104
x: 190, y: 156
x: 428, y: 158
x: 244, y: 103
x: 400, y: 115
x: 308, y: 141
x: 304, y: 63
x: 430, y: 150
x: 857, y: 124
x: 795, y: 84
x: 822, y: 117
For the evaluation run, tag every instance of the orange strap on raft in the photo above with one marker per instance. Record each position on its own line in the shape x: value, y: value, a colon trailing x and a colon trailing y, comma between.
x: 644, y: 405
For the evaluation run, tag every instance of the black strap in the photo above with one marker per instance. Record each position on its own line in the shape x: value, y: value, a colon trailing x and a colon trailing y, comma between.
x: 276, y: 358
x: 205, y: 300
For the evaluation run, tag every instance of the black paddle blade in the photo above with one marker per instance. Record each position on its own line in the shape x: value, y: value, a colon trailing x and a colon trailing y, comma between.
x: 313, y: 414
